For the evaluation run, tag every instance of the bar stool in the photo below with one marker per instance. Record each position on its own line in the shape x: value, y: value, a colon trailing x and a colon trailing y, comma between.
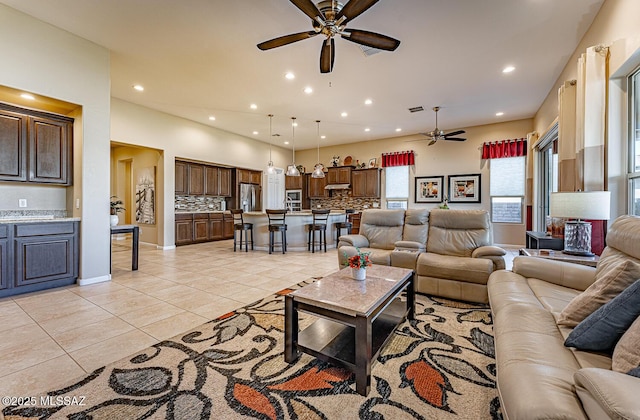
x: 319, y: 225
x: 277, y: 224
x: 344, y: 225
x: 240, y: 226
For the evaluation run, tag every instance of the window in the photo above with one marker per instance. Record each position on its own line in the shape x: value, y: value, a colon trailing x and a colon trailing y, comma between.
x: 506, y: 186
x: 634, y: 144
x: 397, y: 186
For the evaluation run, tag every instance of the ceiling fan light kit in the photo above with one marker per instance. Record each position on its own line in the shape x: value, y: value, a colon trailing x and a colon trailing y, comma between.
x: 329, y: 18
x: 437, y: 134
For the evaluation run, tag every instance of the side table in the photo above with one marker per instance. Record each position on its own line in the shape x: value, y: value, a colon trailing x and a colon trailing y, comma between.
x: 135, y: 230
x: 561, y: 256
x: 540, y: 240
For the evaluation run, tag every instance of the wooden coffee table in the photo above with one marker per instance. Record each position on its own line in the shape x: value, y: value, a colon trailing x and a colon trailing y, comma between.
x: 356, y: 318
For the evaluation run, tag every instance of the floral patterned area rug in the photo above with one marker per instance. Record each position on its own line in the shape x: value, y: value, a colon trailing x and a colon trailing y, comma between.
x: 439, y: 366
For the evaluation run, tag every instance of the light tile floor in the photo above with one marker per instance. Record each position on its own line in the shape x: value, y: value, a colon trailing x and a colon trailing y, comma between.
x: 52, y: 337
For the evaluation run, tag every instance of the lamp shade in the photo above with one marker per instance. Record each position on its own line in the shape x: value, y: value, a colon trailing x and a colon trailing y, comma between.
x: 592, y: 205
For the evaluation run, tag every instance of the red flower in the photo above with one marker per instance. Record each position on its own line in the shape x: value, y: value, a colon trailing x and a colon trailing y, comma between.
x: 360, y: 260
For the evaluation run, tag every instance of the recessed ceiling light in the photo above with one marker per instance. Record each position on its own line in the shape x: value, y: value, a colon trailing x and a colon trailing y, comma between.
x: 27, y: 96
x: 367, y: 129
x: 255, y: 133
x: 323, y: 137
x: 253, y: 106
x: 212, y: 118
x: 398, y: 130
x: 295, y: 124
x: 139, y: 88
x: 286, y: 142
x: 368, y: 101
x: 508, y: 69
x: 499, y: 114
x: 308, y: 90
x: 290, y: 76
x: 344, y: 114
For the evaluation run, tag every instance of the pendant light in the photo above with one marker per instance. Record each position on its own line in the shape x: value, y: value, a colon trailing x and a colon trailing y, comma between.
x: 318, y: 170
x: 270, y: 168
x: 292, y: 170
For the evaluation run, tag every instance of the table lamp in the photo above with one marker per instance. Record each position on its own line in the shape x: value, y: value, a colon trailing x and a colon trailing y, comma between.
x: 592, y: 205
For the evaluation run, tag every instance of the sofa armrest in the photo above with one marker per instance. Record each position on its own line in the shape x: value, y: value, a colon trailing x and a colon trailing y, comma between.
x: 410, y: 246
x: 358, y: 241
x: 608, y: 394
x: 488, y: 251
x: 575, y: 276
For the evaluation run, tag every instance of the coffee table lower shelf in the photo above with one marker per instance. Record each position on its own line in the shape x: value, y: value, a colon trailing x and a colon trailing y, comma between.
x: 334, y: 342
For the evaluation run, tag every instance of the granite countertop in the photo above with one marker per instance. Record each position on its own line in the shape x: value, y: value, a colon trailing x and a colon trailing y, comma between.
x: 38, y: 219
x: 200, y: 211
x: 293, y: 213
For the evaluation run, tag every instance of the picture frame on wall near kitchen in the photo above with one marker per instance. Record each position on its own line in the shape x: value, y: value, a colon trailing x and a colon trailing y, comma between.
x: 372, y: 162
x: 429, y: 189
x: 465, y: 188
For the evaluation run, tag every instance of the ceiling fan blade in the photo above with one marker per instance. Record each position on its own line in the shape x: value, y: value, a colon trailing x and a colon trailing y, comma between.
x: 455, y: 133
x: 353, y: 9
x: 327, y: 56
x: 454, y: 139
x: 432, y: 142
x: 308, y: 8
x: 371, y: 39
x: 285, y: 40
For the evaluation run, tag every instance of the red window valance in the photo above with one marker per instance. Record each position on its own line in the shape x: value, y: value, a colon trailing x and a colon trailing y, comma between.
x: 504, y: 149
x: 398, y: 159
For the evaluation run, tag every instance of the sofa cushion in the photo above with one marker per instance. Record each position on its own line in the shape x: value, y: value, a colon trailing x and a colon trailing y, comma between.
x: 611, y: 279
x: 416, y: 226
x: 473, y: 270
x: 458, y: 232
x: 601, y: 330
x: 626, y: 355
x: 383, y: 228
x: 607, y: 395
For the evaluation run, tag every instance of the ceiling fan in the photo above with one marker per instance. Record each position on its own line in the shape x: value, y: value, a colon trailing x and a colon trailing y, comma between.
x: 330, y: 18
x: 438, y: 134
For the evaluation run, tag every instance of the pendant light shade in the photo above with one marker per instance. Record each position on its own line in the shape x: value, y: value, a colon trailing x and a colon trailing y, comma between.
x: 318, y: 170
x: 292, y: 170
x: 270, y: 168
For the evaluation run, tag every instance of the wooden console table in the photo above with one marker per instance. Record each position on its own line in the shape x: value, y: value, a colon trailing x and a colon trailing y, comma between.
x: 135, y: 230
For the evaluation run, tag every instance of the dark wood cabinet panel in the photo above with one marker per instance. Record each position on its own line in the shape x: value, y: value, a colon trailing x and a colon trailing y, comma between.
x: 196, y: 179
x: 50, y: 154
x: 216, y: 227
x: 224, y: 176
x: 256, y: 177
x: 248, y: 176
x: 339, y: 175
x: 293, y: 182
x: 316, y: 187
x: 4, y: 261
x: 13, y: 146
x: 35, y: 146
x: 184, y: 229
x: 201, y: 229
x: 182, y: 178
x: 228, y: 226
x: 366, y: 183
x: 211, y: 181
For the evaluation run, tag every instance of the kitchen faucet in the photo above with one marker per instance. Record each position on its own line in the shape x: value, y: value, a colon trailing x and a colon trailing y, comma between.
x: 288, y: 203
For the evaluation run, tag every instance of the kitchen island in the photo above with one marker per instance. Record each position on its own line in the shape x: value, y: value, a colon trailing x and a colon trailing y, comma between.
x: 296, y: 230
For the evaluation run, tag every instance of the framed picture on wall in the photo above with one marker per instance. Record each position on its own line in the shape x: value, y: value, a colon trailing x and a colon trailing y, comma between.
x: 464, y: 188
x: 429, y: 189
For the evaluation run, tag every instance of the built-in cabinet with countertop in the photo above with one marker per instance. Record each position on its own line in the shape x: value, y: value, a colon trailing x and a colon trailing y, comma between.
x: 35, y: 146
x: 38, y: 255
x: 365, y: 183
x: 202, y: 227
x: 200, y: 179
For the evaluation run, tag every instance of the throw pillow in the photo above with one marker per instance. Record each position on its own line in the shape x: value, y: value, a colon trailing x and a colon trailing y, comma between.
x: 610, y: 281
x: 601, y: 330
x: 626, y: 355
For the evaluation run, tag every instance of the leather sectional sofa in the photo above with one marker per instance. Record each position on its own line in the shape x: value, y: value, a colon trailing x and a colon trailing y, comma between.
x: 451, y: 251
x: 538, y: 377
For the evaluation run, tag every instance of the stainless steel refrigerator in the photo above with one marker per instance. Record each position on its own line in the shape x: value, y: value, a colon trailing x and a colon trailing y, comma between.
x: 250, y: 197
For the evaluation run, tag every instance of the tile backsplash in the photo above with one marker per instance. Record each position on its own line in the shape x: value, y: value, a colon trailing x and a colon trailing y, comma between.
x: 190, y: 203
x: 342, y: 200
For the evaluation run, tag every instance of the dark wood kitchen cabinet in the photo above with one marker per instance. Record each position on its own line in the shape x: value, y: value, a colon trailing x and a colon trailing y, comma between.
x: 216, y: 226
x: 339, y: 175
x: 316, y: 187
x: 228, y: 226
x: 247, y: 176
x: 196, y: 179
x: 35, y: 146
x: 200, y: 227
x: 38, y: 256
x: 293, y: 182
x: 182, y: 178
x: 224, y: 179
x: 217, y: 181
x: 184, y: 228
x: 366, y: 183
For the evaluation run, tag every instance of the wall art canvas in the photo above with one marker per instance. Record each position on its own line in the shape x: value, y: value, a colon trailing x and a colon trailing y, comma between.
x: 464, y: 188
x: 429, y: 189
x: 146, y: 196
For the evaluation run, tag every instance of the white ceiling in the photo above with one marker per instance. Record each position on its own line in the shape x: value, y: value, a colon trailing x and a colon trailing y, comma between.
x: 198, y: 58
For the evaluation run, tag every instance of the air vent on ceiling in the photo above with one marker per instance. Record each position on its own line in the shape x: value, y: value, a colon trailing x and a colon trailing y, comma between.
x: 367, y: 51
x: 416, y: 109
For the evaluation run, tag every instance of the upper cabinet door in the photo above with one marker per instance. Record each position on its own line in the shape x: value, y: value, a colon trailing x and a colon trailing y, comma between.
x: 225, y: 182
x: 50, y: 151
x: 182, y: 178
x: 13, y: 146
x: 211, y: 181
x: 196, y: 179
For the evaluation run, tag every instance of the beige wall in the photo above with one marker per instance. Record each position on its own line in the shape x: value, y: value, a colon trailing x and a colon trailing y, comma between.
x: 48, y: 61
x: 616, y: 26
x: 443, y: 158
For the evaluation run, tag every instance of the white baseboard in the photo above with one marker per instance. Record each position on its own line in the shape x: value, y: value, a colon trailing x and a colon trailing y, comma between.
x: 93, y: 280
x: 166, y: 248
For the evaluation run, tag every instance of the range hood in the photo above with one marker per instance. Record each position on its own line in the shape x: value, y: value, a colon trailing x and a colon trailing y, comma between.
x: 338, y: 187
